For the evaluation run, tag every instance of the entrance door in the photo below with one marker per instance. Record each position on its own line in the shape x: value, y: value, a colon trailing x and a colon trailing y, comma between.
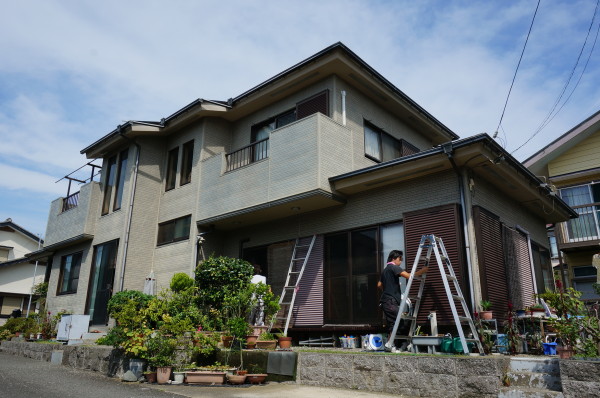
x: 101, y: 282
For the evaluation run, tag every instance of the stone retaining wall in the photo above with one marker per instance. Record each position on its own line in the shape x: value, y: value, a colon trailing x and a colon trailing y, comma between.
x: 416, y: 376
x: 101, y: 359
x: 580, y: 378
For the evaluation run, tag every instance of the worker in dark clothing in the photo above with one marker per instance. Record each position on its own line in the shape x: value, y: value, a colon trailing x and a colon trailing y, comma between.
x: 391, y: 296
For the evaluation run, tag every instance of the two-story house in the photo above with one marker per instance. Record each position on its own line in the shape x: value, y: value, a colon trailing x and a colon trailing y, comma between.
x: 327, y: 148
x: 18, y: 274
x: 571, y: 165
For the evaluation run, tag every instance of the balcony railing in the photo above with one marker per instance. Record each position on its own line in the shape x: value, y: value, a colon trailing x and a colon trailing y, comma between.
x: 70, y: 201
x: 586, y: 227
x: 249, y: 154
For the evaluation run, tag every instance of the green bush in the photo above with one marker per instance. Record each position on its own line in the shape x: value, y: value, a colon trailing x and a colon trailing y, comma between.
x: 217, y: 277
x: 181, y: 281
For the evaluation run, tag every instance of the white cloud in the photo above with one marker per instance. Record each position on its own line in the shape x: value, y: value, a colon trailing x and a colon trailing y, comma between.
x: 14, y: 178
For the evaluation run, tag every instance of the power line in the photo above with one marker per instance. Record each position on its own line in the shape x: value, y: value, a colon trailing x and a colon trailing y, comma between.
x: 517, y: 69
x: 552, y: 112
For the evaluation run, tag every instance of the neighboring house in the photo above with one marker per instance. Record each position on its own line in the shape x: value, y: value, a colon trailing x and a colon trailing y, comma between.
x: 329, y: 148
x: 16, y: 270
x: 571, y: 165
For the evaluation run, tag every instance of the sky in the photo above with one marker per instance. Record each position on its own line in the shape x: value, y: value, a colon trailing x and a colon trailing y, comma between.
x: 72, y: 70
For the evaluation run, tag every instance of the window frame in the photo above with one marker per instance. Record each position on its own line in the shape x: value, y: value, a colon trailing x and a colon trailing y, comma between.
x: 109, y: 183
x: 63, y: 262
x: 120, y: 179
x: 172, y: 162
x: 187, y: 163
x: 169, y: 228
x: 399, y: 145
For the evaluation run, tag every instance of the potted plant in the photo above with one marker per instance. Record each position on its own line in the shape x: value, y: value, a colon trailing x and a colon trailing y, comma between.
x: 161, y: 350
x: 266, y: 341
x: 537, y: 311
x: 284, y: 341
x: 486, y: 310
x: 150, y: 376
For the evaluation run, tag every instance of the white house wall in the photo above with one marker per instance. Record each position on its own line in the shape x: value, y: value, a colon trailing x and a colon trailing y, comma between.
x: 18, y: 278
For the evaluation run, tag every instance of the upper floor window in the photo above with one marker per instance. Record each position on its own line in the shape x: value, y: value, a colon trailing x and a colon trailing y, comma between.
x: 585, y: 199
x: 116, y: 169
x: 185, y: 168
x: 69, y: 273
x: 187, y: 157
x: 174, y: 230
x: 4, y: 253
x: 172, y: 168
x: 382, y: 147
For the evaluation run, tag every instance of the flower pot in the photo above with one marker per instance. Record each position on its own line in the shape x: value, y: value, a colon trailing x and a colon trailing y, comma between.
x: 163, y: 374
x: 227, y: 340
x: 564, y: 352
x: 537, y: 312
x: 258, y: 330
x: 285, y: 342
x: 178, y: 377
x: 236, y: 379
x: 250, y: 346
x: 266, y: 344
x: 205, y: 377
x: 150, y: 377
x: 241, y: 372
x: 251, y: 339
x: 256, y: 378
x: 486, y: 315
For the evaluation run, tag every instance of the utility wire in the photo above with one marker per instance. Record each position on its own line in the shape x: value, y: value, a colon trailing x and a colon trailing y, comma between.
x: 552, y: 112
x: 517, y: 69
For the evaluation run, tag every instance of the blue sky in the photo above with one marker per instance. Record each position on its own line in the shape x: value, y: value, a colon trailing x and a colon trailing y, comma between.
x: 72, y: 70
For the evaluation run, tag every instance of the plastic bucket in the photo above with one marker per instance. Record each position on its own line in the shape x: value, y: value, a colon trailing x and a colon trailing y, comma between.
x: 458, y: 348
x: 549, y: 348
x: 446, y: 345
x: 502, y: 343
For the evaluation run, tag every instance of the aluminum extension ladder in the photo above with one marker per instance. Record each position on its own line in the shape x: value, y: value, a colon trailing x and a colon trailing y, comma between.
x: 300, y: 255
x: 435, y: 244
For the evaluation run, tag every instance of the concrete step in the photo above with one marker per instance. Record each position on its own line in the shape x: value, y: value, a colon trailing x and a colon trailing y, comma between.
x: 535, y: 365
x: 523, y: 392
x: 536, y: 380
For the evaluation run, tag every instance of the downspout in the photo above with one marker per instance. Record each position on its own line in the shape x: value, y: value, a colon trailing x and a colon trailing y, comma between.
x: 343, y: 107
x: 525, y: 232
x: 129, y: 216
x: 466, y: 218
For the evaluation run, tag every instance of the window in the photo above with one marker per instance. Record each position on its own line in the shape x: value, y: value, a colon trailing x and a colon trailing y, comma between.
x: 116, y: 170
x: 585, y: 199
x: 69, y: 273
x: 172, y: 168
x: 4, y: 254
x: 583, y: 279
x: 352, y: 265
x: 174, y: 230
x: 187, y: 158
x: 102, y: 276
x: 121, y: 171
x: 382, y: 147
x: 109, y: 182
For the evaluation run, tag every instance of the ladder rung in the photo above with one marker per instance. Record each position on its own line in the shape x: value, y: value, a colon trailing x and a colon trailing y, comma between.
x: 465, y: 319
x: 457, y: 297
x: 302, y: 246
x: 286, y: 303
x: 414, y: 298
x: 289, y: 287
x: 408, y: 317
x: 298, y: 258
x: 472, y: 340
x: 417, y: 278
x: 451, y: 278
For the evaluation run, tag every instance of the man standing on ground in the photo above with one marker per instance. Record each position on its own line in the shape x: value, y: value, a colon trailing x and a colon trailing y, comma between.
x: 390, y: 284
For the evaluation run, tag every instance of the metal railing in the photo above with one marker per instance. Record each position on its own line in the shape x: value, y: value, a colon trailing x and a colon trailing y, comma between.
x: 584, y: 228
x: 254, y: 152
x: 70, y: 201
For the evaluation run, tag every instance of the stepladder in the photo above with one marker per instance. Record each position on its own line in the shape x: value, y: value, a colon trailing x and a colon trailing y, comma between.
x: 431, y: 245
x: 300, y: 257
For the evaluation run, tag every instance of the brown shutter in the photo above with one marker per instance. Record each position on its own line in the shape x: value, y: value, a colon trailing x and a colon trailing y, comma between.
x: 314, y: 104
x: 492, y: 271
x: 308, y: 308
x: 518, y: 268
x: 444, y: 222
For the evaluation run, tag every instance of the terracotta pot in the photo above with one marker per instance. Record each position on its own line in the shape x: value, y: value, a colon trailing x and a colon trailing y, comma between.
x: 227, y: 340
x: 285, y: 342
x: 251, y: 339
x: 163, y: 374
x: 266, y: 344
x: 236, y: 379
x: 205, y: 377
x: 250, y: 346
x: 256, y: 378
x: 241, y: 372
x: 150, y: 377
x: 486, y: 315
x: 564, y: 352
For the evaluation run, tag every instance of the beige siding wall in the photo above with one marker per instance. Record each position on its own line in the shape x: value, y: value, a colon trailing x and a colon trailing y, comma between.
x: 583, y: 156
x: 75, y: 302
x: 511, y: 213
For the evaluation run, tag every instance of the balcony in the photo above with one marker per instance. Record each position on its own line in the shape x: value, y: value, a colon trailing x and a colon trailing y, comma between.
x: 582, y: 231
x: 71, y: 216
x: 265, y: 180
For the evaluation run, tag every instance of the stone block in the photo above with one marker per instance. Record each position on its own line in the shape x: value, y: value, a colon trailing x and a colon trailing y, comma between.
x: 368, y: 362
x: 579, y: 389
x: 338, y: 361
x: 311, y: 374
x: 437, y: 385
x: 476, y: 367
x: 477, y: 386
x: 369, y: 380
x: 340, y: 378
x: 401, y: 381
x: 579, y: 370
x: 401, y: 363
x: 445, y: 366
